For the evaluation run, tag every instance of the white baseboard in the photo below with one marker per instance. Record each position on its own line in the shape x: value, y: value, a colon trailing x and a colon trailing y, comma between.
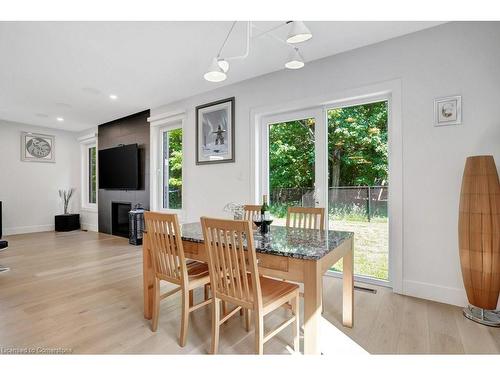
x: 433, y: 292
x: 28, y: 229
x: 89, y: 227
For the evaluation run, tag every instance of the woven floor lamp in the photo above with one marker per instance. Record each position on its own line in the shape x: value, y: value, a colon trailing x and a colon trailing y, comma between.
x: 479, y: 238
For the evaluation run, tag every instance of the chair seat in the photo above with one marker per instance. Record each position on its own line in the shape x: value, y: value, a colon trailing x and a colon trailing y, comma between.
x: 197, y: 269
x: 273, y: 290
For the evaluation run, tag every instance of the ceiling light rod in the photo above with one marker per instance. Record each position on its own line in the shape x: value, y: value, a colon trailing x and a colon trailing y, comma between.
x: 247, y: 50
x: 268, y: 33
x: 225, y: 40
x: 265, y: 32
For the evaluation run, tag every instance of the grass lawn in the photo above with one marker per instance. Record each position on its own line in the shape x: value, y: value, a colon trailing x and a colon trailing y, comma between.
x: 371, y: 245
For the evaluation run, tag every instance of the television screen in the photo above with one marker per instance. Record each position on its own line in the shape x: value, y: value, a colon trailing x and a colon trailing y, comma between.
x: 119, y: 168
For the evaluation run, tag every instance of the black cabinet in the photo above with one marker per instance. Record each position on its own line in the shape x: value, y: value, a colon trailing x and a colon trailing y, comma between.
x: 67, y: 222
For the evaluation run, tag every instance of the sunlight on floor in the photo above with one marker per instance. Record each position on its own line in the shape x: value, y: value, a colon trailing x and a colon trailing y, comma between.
x: 334, y: 341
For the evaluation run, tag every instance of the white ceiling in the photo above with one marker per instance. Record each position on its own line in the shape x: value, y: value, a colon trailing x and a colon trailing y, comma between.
x: 69, y: 69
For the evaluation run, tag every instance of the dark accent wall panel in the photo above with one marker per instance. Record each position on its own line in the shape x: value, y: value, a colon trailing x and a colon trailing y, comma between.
x: 127, y: 130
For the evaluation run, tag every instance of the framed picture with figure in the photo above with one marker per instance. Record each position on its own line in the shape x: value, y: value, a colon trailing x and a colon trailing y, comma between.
x: 215, y: 132
x: 37, y: 147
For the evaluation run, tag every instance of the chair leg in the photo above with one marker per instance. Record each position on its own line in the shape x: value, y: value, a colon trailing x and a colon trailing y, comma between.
x: 205, y: 294
x: 259, y: 332
x: 156, y: 305
x: 185, y: 317
x: 224, y: 308
x: 191, y: 298
x: 246, y: 313
x: 296, y: 325
x: 215, y: 326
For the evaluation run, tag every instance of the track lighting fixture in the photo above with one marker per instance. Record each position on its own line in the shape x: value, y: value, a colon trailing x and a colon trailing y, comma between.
x: 217, y: 72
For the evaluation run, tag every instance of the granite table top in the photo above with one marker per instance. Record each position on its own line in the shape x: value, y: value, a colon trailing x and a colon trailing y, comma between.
x: 289, y: 242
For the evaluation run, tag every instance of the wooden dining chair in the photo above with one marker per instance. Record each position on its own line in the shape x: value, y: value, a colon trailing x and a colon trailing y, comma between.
x: 306, y: 217
x: 163, y: 239
x: 234, y: 278
x: 249, y: 210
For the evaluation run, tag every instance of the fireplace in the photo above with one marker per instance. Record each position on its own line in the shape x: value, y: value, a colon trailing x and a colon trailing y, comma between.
x: 119, y: 218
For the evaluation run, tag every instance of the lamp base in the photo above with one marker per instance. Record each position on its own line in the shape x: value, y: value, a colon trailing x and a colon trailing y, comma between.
x: 489, y: 318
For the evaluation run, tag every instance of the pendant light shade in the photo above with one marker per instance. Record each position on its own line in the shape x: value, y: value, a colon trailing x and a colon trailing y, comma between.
x: 298, y: 33
x: 215, y: 72
x: 294, y: 61
x: 223, y: 64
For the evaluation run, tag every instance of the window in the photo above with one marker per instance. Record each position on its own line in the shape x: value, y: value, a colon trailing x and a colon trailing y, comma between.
x: 92, y: 175
x: 88, y: 145
x: 171, y: 168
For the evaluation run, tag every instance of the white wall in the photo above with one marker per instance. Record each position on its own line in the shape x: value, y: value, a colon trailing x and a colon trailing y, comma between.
x: 29, y: 190
x: 452, y: 59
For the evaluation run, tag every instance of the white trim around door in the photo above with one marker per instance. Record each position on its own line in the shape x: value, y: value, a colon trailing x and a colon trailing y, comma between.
x: 390, y: 91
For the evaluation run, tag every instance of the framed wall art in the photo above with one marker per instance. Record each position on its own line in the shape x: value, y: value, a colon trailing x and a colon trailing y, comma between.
x: 37, y: 147
x: 448, y: 111
x: 215, y: 132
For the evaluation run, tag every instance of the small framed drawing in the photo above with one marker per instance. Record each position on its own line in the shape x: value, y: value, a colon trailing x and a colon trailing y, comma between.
x: 37, y: 147
x: 448, y: 111
x: 215, y: 132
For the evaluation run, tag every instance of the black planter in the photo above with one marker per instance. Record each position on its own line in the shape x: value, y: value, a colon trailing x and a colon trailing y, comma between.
x: 67, y: 222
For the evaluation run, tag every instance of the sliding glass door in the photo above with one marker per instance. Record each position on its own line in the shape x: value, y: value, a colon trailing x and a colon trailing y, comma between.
x: 334, y: 157
x: 292, y: 175
x: 358, y: 188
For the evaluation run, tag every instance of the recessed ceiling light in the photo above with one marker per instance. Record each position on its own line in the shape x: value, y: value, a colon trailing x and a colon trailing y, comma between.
x: 113, y: 97
x: 60, y: 119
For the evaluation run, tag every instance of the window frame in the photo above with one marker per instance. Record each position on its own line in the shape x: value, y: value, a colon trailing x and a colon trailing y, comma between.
x: 86, y: 143
x: 161, y: 175
x: 171, y: 120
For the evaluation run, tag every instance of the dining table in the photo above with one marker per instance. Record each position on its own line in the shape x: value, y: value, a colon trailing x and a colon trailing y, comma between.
x: 293, y: 254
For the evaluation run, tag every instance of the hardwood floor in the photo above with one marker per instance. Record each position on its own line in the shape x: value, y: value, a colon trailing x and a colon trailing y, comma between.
x: 83, y: 292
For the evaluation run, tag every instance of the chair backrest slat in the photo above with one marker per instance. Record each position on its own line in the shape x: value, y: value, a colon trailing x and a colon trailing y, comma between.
x: 249, y: 210
x: 306, y: 217
x: 163, y: 237
x: 232, y: 261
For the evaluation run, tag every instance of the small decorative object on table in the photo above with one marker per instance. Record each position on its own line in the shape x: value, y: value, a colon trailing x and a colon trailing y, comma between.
x: 136, y: 225
x: 236, y: 209
x: 66, y: 222
x: 265, y: 217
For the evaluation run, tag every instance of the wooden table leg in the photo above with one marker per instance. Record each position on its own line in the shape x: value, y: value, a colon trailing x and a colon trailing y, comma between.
x: 312, y: 306
x: 348, y: 287
x: 147, y: 276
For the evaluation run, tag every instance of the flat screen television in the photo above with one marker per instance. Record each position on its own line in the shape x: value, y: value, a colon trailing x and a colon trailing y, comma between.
x: 119, y: 168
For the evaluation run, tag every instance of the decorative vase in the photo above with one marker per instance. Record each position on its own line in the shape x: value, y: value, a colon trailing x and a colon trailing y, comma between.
x: 479, y: 238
